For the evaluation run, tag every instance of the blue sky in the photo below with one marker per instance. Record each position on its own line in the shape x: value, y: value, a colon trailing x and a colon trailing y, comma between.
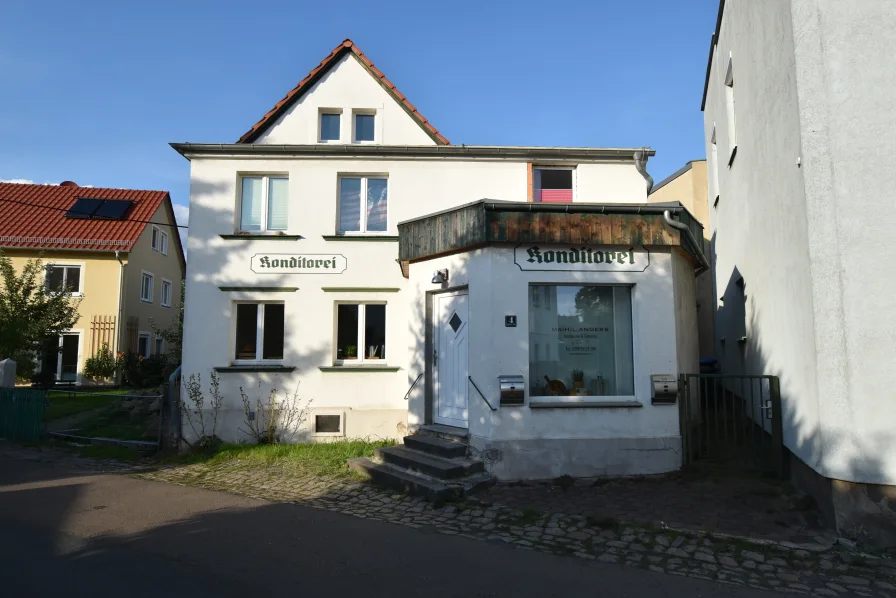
x: 93, y: 91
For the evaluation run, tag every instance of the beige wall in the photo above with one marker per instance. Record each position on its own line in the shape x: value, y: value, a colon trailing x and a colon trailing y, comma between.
x: 99, y: 292
x: 168, y: 267
x: 690, y: 188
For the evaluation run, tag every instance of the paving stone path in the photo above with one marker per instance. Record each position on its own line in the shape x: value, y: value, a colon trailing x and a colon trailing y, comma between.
x: 809, y: 569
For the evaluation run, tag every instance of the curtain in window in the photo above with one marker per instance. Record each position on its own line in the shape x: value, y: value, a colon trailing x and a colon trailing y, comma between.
x: 349, y: 205
x: 250, y: 208
x: 376, y: 205
x: 278, y: 204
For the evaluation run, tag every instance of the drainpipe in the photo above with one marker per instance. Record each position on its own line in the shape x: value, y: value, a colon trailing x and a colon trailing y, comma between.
x: 704, y: 263
x: 641, y: 166
x: 120, y: 302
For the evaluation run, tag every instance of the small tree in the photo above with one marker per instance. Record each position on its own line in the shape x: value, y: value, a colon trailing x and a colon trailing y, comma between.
x: 101, y: 365
x: 273, y: 420
x: 198, y: 415
x: 29, y: 311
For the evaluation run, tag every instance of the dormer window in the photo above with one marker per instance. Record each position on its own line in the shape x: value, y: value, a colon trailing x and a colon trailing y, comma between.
x: 552, y: 184
x: 329, y: 125
x: 365, y: 127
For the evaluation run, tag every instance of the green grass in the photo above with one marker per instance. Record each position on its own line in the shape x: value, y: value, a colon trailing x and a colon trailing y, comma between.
x: 119, y: 453
x: 324, y: 458
x: 63, y: 405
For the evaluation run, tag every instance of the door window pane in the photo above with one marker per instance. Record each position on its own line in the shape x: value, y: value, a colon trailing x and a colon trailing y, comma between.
x: 375, y: 331
x: 376, y: 204
x: 346, y: 331
x: 584, y: 336
x: 329, y: 127
x: 278, y: 204
x: 69, y: 357
x: 364, y: 127
x: 250, y: 207
x: 143, y: 345
x: 272, y: 345
x: 246, y: 330
x: 349, y: 204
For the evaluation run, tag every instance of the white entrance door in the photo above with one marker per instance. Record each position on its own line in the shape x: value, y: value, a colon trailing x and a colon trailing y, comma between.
x: 451, y: 319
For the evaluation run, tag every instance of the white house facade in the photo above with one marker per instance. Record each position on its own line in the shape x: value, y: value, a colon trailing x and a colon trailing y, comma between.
x: 343, y: 247
x: 797, y: 111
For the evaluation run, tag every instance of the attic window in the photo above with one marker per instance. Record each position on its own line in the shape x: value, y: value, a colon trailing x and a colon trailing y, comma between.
x: 552, y: 185
x: 329, y: 126
x: 104, y: 209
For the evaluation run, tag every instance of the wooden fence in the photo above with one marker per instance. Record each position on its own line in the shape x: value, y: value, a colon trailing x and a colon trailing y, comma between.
x: 102, y: 331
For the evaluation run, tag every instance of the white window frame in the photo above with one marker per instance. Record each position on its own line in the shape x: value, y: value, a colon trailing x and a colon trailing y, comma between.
x: 158, y: 346
x: 159, y: 240
x: 259, y: 334
x: 542, y: 167
x: 730, y: 112
x: 365, y: 112
x: 152, y: 284
x: 170, y: 286
x: 265, y: 190
x: 636, y: 369
x: 363, y: 220
x: 362, y: 347
x: 339, y: 434
x: 148, y: 336
x: 320, y: 128
x: 79, y: 265
x: 79, y: 332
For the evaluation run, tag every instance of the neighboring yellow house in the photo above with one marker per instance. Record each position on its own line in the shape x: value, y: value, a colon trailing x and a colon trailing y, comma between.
x: 689, y: 186
x: 118, y: 250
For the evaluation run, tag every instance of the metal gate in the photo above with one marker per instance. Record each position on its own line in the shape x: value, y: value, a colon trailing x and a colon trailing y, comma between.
x: 732, y: 421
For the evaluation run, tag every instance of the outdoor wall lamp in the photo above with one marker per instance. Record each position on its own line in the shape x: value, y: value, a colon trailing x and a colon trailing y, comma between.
x: 440, y: 276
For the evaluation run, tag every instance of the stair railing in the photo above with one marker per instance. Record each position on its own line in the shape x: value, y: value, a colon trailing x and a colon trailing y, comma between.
x: 407, y: 395
x: 470, y: 378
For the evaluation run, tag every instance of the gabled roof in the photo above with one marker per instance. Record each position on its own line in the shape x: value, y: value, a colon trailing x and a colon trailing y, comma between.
x: 34, y: 216
x: 348, y: 46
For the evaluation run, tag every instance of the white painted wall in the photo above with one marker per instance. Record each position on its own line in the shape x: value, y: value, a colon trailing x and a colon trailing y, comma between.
x: 804, y: 214
x: 497, y: 288
x: 416, y: 188
x: 348, y: 86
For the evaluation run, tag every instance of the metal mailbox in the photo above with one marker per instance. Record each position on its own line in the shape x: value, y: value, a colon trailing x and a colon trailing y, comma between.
x: 512, y: 390
x: 664, y: 389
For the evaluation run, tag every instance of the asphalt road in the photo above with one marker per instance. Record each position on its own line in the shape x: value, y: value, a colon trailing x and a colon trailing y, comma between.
x: 65, y: 533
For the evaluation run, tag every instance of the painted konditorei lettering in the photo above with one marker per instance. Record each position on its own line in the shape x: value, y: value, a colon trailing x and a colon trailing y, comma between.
x: 280, y: 263
x: 581, y: 259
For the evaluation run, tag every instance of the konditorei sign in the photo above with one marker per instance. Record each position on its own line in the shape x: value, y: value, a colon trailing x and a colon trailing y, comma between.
x: 299, y: 263
x: 596, y: 258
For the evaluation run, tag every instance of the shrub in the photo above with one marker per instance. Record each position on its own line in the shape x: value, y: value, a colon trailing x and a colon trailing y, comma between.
x: 142, y: 372
x: 101, y: 365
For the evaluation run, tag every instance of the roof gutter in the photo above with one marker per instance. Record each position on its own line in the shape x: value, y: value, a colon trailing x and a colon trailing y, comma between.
x: 414, y: 151
x: 641, y: 166
x: 698, y: 250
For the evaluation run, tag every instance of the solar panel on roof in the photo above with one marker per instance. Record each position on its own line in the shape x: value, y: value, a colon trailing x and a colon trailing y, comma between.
x: 113, y: 209
x: 84, y: 208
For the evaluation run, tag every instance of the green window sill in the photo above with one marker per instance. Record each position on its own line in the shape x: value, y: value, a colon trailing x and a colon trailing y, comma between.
x: 368, y: 238
x: 359, y: 368
x: 263, y: 237
x: 255, y: 368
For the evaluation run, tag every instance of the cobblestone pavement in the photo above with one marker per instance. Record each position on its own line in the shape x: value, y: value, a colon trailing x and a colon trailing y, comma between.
x: 811, y: 569
x: 721, y: 503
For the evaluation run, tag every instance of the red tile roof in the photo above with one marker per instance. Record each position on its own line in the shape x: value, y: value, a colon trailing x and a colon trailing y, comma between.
x: 319, y: 71
x: 34, y: 216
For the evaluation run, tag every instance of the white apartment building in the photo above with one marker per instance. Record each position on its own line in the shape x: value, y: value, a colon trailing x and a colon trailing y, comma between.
x: 344, y: 246
x: 799, y: 118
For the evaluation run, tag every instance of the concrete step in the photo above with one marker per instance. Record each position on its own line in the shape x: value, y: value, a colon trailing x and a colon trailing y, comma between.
x: 403, y: 480
x: 446, y: 432
x: 434, y: 445
x: 428, y: 464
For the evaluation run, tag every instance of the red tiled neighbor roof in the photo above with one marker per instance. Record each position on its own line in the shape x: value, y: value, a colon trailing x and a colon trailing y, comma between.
x: 34, y: 216
x: 318, y: 72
